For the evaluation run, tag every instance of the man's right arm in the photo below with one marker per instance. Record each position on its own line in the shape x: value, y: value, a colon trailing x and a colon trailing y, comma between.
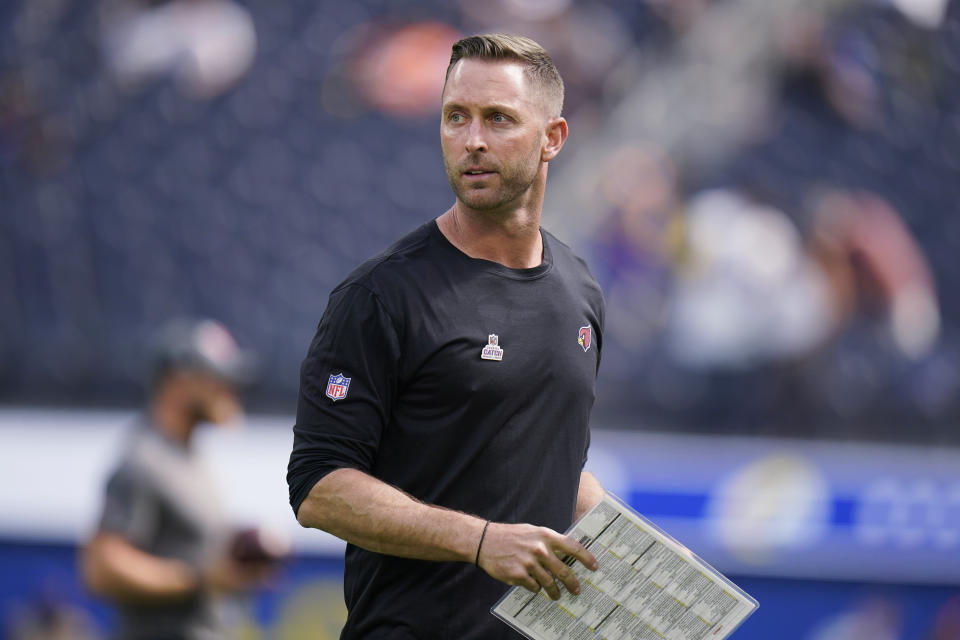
x: 115, y: 569
x: 373, y: 515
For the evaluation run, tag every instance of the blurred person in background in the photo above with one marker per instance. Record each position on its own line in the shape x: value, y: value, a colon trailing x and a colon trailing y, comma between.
x: 877, y: 267
x: 164, y: 550
x: 947, y: 624
x: 875, y: 618
x: 207, y: 45
x: 443, y: 420
x: 49, y: 616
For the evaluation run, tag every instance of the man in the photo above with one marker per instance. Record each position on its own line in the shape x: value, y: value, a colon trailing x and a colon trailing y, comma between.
x: 162, y: 552
x: 444, y: 402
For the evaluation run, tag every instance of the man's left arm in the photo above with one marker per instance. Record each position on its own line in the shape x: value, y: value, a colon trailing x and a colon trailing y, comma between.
x: 589, y: 494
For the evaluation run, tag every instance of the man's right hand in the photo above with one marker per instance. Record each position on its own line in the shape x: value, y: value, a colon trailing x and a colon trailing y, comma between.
x: 373, y: 515
x: 531, y: 557
x: 232, y: 576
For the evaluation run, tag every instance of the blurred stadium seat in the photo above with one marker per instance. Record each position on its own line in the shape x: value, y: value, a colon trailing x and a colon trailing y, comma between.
x: 127, y: 206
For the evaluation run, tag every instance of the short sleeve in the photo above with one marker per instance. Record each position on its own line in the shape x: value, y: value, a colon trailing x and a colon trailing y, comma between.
x: 348, y: 384
x: 598, y: 340
x: 586, y: 450
x: 130, y: 507
x: 601, y: 316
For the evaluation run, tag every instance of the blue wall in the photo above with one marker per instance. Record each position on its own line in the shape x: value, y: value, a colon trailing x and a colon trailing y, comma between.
x: 789, y: 609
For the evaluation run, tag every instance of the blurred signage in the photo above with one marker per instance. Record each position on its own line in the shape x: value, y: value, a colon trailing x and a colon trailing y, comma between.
x: 795, y: 508
x: 749, y: 506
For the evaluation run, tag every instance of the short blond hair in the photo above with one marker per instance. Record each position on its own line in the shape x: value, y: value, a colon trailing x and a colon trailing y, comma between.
x: 537, y: 63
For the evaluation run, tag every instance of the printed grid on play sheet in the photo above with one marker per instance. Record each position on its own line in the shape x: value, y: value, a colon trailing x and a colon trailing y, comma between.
x: 648, y: 587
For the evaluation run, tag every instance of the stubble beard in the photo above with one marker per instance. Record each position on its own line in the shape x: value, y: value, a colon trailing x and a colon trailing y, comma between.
x: 514, y: 181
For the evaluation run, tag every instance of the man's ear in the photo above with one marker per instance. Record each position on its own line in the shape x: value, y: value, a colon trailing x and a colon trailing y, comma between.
x: 556, y: 136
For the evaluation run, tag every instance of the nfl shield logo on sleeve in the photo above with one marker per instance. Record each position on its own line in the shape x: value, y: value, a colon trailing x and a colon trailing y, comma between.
x: 337, y: 387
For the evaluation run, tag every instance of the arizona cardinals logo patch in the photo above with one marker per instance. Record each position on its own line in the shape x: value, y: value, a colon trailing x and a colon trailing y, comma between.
x: 585, y: 337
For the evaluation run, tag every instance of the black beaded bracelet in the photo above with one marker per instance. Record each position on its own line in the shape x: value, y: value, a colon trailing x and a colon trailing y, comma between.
x: 476, y: 562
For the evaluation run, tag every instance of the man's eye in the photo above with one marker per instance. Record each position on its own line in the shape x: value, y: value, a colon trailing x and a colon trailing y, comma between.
x: 456, y: 117
x: 499, y: 118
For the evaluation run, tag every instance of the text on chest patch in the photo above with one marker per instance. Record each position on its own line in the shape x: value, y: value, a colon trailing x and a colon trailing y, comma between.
x: 492, y: 351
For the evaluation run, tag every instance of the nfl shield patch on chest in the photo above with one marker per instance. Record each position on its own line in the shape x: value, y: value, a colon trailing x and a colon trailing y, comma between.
x: 493, y: 350
x: 337, y: 387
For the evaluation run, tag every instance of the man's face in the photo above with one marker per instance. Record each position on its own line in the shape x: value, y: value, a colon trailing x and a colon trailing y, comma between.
x: 492, y: 134
x: 213, y: 400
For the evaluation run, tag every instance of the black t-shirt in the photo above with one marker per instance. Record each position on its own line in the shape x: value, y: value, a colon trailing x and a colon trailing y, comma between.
x: 468, y: 385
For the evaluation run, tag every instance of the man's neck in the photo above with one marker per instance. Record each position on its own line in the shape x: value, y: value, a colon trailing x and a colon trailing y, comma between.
x: 512, y: 240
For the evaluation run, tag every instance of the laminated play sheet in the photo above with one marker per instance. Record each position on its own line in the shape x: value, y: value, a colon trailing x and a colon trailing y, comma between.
x: 648, y: 586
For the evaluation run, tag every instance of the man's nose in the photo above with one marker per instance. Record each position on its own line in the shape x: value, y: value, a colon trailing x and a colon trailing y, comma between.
x: 476, y: 140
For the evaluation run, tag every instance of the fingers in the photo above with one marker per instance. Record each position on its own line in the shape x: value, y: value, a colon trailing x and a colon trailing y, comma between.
x: 564, y: 574
x: 527, y: 583
x: 571, y: 547
x: 545, y: 580
x: 534, y: 558
x: 564, y: 548
x: 553, y: 568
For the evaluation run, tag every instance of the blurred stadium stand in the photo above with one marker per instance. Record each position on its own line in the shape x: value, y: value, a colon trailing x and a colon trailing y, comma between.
x: 129, y: 202
x: 767, y: 192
